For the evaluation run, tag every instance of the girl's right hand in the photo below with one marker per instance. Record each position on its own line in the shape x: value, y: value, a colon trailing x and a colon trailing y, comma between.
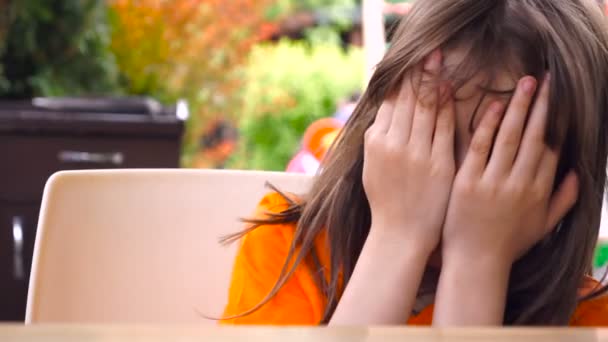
x: 408, y: 169
x: 409, y: 159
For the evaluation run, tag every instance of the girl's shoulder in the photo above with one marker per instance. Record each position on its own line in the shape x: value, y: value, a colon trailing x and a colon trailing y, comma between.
x: 592, y: 312
x: 271, y: 234
x: 259, y: 264
x: 274, y: 202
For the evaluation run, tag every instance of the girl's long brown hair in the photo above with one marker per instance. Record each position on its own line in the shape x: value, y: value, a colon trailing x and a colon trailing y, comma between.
x: 567, y: 38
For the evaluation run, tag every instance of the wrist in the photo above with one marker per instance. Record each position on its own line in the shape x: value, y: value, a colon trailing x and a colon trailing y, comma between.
x: 405, y: 237
x: 476, y: 256
x: 471, y: 291
x: 476, y: 266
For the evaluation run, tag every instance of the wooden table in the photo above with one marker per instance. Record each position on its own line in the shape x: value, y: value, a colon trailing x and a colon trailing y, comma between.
x: 79, y: 333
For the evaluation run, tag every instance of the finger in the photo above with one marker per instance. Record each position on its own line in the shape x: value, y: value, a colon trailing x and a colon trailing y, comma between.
x: 481, y: 144
x: 443, y: 139
x: 547, y: 168
x: 533, y: 142
x: 425, y: 114
x: 563, y: 200
x: 383, y: 119
x: 403, y: 111
x: 509, y: 135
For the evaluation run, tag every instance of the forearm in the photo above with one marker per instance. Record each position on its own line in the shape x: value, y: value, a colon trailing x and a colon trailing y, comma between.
x: 383, y: 287
x: 471, y: 292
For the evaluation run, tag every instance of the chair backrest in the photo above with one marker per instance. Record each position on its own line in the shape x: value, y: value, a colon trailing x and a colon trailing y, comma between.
x: 140, y: 246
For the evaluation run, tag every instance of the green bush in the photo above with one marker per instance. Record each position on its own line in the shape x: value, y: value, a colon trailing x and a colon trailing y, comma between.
x: 287, y: 6
x: 290, y: 85
x: 333, y: 16
x: 55, y: 48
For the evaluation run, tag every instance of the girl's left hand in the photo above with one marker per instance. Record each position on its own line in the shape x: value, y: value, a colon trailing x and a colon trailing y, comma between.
x: 502, y: 207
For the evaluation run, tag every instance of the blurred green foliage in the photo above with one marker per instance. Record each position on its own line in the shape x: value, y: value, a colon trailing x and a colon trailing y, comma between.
x: 288, y: 86
x: 333, y: 15
x: 55, y: 48
x: 282, y: 7
x: 601, y: 255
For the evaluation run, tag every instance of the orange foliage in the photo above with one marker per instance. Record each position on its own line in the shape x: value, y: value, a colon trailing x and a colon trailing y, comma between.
x: 189, y: 49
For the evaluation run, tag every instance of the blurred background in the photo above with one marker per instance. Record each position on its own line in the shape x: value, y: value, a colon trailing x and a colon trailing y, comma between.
x: 247, y: 77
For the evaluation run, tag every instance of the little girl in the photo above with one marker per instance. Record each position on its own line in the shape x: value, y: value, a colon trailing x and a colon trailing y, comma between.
x: 466, y: 188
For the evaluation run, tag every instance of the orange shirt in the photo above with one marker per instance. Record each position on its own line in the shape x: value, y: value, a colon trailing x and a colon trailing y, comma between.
x: 299, y: 302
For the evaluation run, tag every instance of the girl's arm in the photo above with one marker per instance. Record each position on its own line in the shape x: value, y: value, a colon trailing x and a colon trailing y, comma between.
x: 407, y: 175
x: 471, y: 292
x: 502, y: 203
x: 383, y: 287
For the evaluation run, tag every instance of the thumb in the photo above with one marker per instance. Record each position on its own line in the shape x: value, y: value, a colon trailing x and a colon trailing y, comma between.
x: 562, y: 200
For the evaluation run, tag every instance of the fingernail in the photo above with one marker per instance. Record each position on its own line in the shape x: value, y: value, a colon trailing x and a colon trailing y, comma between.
x: 529, y: 85
x: 433, y: 61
